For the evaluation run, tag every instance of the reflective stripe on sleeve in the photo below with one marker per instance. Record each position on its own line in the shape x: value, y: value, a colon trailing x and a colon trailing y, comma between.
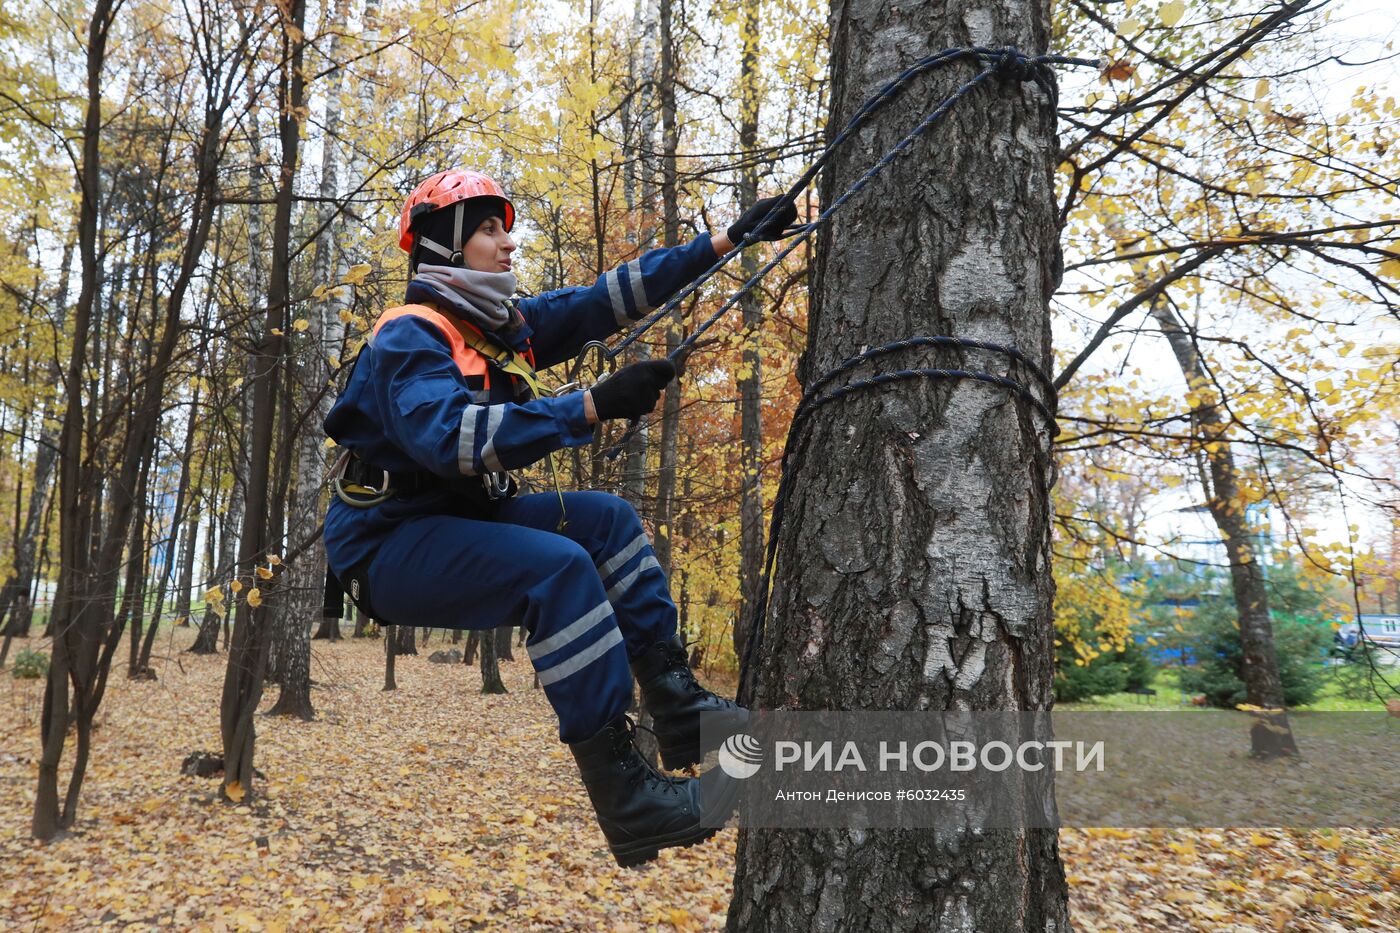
x: 466, y: 437
x: 615, y: 294
x: 639, y: 292
x: 494, y: 414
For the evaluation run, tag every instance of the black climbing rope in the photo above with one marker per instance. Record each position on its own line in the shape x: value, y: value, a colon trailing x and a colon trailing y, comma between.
x: 1006, y: 63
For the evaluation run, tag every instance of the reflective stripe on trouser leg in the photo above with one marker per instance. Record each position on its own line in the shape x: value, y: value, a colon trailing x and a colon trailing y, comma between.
x: 448, y: 572
x: 610, y: 531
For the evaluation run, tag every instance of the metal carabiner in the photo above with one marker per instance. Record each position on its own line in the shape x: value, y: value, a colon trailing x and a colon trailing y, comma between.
x: 606, y: 364
x: 347, y: 494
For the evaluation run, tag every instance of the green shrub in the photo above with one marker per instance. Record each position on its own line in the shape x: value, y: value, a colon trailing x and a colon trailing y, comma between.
x: 1218, y: 673
x: 1101, y: 676
x: 30, y: 665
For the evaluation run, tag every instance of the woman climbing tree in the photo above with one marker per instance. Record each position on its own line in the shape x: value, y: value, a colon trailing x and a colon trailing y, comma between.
x: 427, y: 529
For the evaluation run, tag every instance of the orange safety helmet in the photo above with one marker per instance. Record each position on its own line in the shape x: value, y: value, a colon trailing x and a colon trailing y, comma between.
x: 454, y: 186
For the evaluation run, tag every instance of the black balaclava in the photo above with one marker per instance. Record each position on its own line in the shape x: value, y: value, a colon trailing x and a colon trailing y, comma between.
x: 440, y: 225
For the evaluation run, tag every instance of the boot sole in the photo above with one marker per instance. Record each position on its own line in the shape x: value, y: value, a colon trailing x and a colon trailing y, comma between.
x: 632, y: 854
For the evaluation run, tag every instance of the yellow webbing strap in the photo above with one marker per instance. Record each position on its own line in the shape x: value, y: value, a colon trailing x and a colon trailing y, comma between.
x: 508, y: 362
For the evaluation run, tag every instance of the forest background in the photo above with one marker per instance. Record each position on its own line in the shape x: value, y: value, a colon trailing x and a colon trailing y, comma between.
x: 199, y: 225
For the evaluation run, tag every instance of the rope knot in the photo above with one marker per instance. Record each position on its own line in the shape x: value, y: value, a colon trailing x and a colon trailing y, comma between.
x: 1013, y: 66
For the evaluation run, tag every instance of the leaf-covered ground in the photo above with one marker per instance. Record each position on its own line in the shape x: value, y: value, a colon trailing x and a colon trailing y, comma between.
x: 435, y: 807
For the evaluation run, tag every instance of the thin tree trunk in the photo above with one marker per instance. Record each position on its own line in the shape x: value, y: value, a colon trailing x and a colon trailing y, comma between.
x: 177, y: 517
x: 503, y: 639
x: 490, y: 671
x: 914, y: 561
x: 671, y: 231
x: 1271, y: 735
x: 247, y: 663
x: 640, y: 190
x: 390, y: 652
x: 750, y: 383
x: 74, y: 615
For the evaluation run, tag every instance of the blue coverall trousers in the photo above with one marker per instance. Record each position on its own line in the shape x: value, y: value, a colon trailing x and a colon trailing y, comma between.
x: 591, y: 596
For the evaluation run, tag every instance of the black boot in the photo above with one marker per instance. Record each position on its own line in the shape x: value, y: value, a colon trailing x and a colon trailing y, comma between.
x: 675, y: 701
x: 640, y: 810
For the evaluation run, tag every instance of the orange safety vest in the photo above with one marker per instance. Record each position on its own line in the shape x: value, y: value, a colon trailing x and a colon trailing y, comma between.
x: 470, y: 362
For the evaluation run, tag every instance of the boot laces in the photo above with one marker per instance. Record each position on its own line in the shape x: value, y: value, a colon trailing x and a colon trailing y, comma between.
x: 678, y: 660
x: 646, y: 772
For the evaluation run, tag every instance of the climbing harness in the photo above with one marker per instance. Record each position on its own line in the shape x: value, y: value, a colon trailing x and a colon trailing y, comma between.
x: 1007, y: 63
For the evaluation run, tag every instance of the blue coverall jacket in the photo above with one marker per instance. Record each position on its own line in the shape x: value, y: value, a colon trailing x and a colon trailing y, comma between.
x: 589, y: 596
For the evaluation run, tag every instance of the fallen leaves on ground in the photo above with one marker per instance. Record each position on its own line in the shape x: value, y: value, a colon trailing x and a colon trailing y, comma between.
x: 436, y: 807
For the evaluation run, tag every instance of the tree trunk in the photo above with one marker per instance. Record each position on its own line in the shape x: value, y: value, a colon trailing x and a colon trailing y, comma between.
x: 206, y: 640
x: 504, y: 635
x: 247, y: 661
x: 490, y: 671
x: 750, y: 382
x: 407, y: 640
x: 469, y: 650
x: 142, y: 666
x: 914, y: 568
x: 74, y: 615
x: 671, y: 234
x: 390, y: 652
x: 639, y: 187
x: 189, y: 547
x: 1271, y: 736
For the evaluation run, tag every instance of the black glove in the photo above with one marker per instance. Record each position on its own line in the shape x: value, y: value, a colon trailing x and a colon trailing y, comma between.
x: 773, y: 230
x: 633, y: 390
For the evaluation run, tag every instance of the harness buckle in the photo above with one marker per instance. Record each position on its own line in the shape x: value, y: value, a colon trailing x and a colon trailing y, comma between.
x: 358, y: 495
x: 497, y: 485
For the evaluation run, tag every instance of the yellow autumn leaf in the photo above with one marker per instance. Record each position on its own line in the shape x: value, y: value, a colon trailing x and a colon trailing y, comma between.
x: 300, y: 324
x: 264, y: 573
x: 214, y: 595
x: 234, y: 791
x: 320, y: 291
x: 1129, y: 26
x: 255, y: 597
x: 273, y: 559
x: 1171, y: 13
x: 356, y: 273
x: 236, y: 586
x: 437, y: 896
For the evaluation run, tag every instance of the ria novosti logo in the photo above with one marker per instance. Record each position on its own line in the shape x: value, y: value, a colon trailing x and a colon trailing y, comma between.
x: 741, y: 756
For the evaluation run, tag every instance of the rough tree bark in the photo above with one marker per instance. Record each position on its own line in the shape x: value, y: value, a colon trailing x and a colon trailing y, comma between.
x: 914, y: 567
x: 1271, y: 735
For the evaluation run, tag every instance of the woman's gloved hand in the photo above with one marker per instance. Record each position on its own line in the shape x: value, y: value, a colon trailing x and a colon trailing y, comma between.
x: 633, y: 390
x: 773, y: 230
